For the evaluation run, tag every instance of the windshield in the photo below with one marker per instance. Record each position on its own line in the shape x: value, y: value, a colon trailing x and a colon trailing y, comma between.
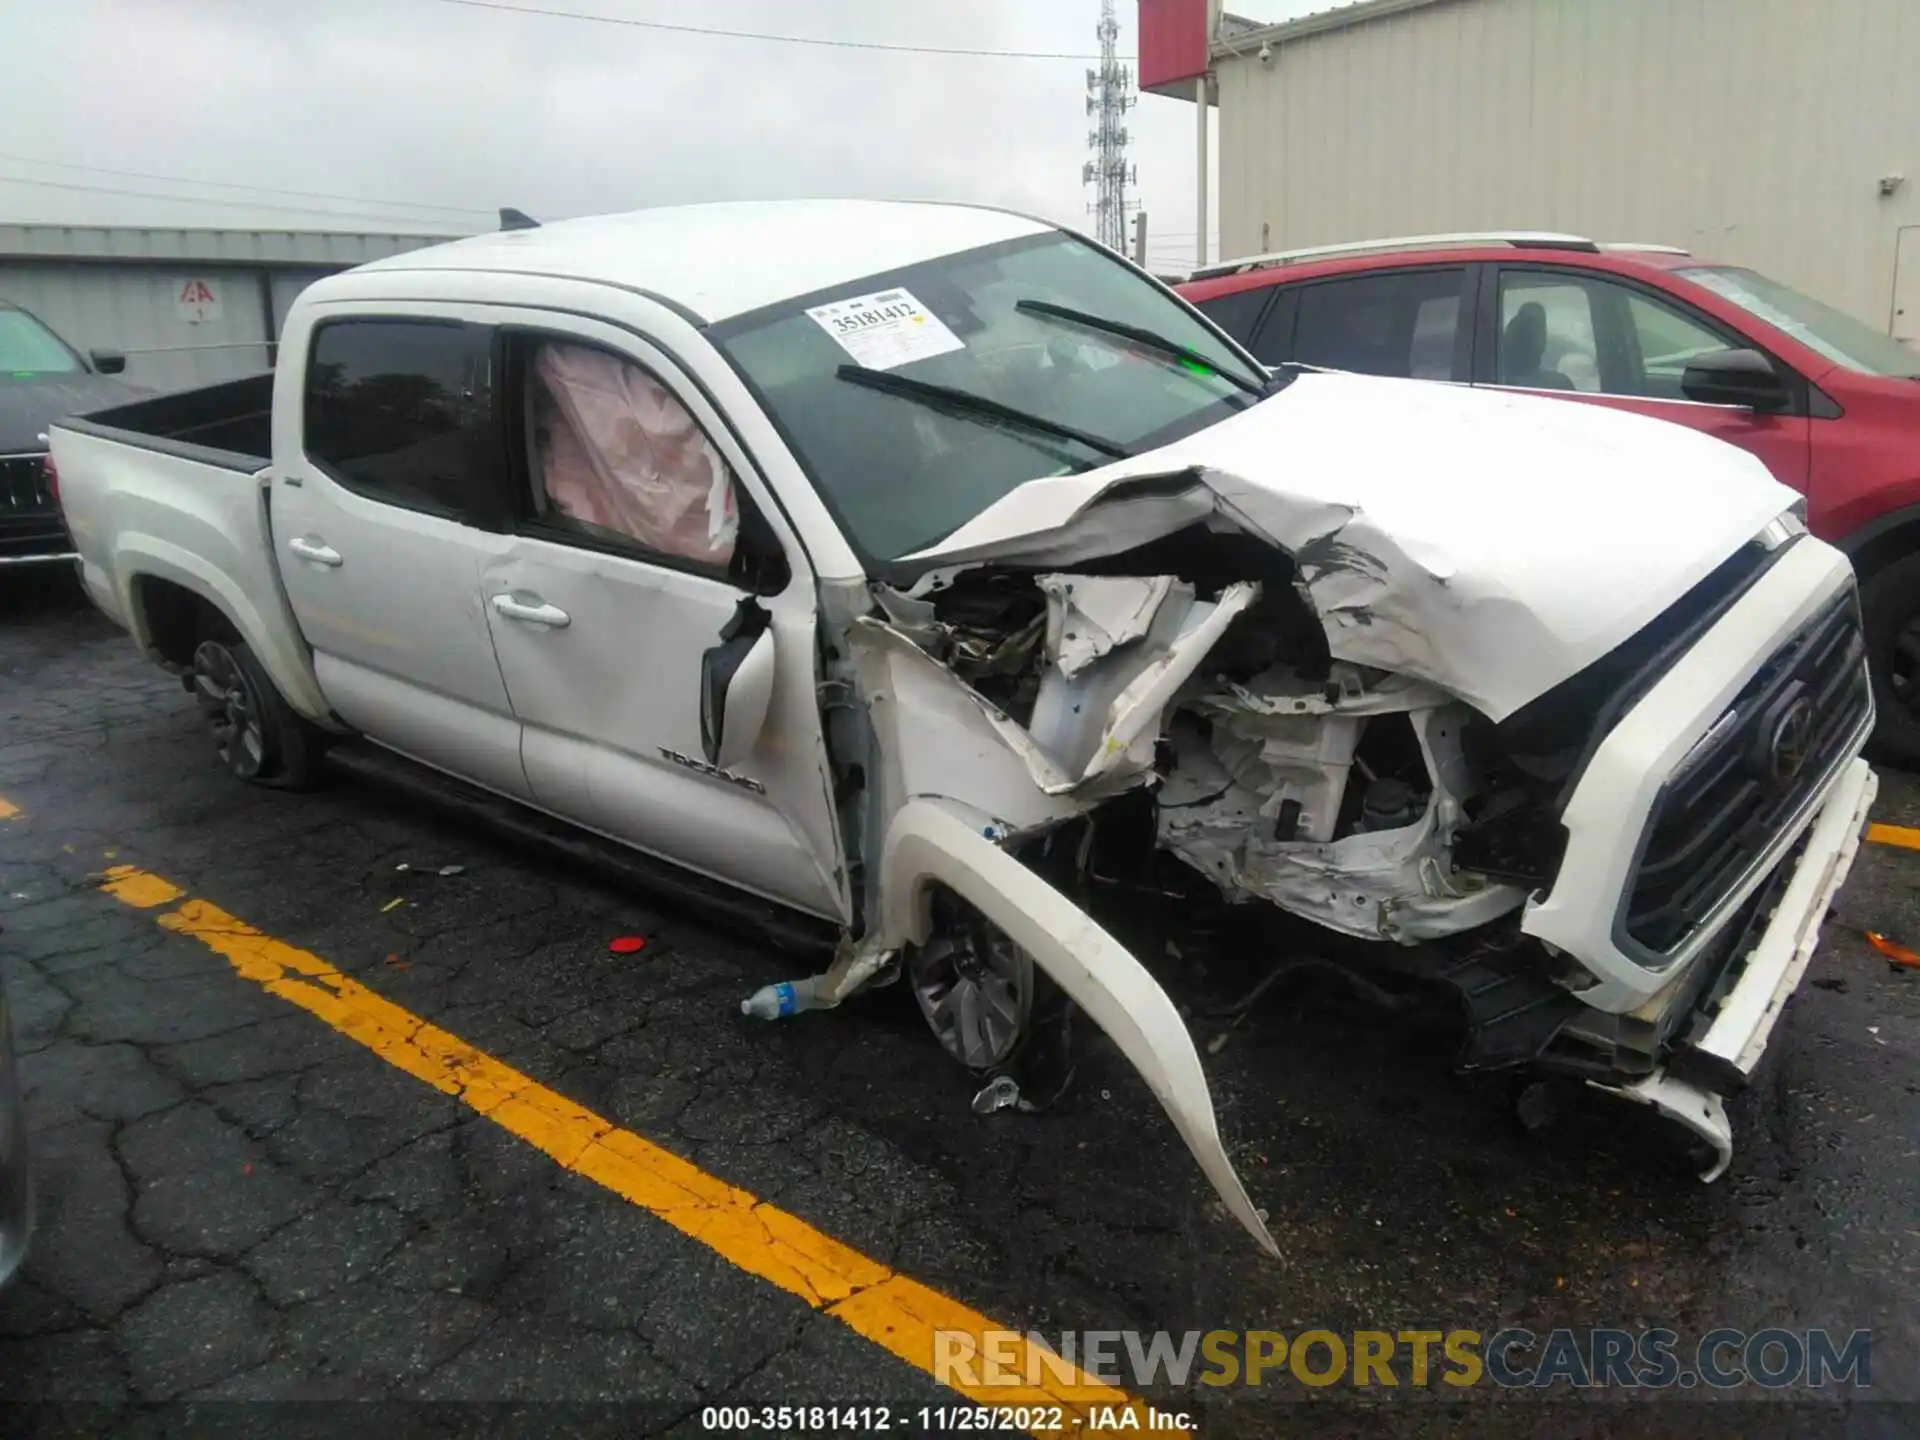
x: 901, y: 458
x: 1840, y: 338
x: 29, y: 350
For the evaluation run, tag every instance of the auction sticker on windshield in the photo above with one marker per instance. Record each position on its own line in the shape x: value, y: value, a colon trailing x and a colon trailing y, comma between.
x: 885, y: 330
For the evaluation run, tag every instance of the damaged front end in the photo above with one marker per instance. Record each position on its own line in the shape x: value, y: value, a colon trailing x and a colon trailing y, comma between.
x: 1287, y: 653
x: 1004, y: 709
x: 1279, y: 773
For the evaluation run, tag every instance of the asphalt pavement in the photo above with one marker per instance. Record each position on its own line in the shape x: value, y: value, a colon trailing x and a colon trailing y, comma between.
x: 242, y: 1201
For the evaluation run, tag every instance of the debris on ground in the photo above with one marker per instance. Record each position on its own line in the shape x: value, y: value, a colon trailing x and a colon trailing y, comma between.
x: 1000, y: 1093
x: 627, y: 944
x: 1896, y: 953
x: 392, y: 904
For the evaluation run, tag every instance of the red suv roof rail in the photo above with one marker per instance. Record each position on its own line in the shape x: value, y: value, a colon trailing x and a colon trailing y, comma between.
x: 1519, y: 239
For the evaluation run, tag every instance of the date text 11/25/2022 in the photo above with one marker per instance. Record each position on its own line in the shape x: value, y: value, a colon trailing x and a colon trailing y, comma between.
x: 935, y: 1419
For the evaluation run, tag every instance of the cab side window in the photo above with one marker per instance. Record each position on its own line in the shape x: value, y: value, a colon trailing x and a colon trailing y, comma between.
x: 614, y: 459
x: 400, y: 411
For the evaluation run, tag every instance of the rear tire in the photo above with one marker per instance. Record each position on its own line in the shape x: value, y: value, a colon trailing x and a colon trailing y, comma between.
x: 1890, y: 608
x: 255, y: 732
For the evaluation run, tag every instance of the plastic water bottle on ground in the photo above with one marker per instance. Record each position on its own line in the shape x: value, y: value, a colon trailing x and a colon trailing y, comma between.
x: 789, y: 997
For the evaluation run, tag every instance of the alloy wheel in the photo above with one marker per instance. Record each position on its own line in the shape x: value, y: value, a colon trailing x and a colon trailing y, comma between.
x: 229, y: 700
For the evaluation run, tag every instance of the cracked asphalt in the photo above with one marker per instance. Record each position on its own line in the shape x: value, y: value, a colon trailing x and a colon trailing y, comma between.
x: 237, y: 1202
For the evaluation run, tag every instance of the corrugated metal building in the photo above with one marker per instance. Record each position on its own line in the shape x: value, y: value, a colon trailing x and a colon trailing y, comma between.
x: 1780, y: 134
x: 189, y: 307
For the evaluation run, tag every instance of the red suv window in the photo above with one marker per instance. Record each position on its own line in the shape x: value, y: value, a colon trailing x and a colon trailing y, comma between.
x: 1411, y: 323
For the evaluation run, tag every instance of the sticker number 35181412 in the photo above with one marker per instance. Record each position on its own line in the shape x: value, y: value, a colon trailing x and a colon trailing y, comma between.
x: 886, y: 329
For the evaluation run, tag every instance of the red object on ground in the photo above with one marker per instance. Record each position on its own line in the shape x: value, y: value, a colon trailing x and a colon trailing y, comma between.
x: 627, y: 944
x: 1898, y: 954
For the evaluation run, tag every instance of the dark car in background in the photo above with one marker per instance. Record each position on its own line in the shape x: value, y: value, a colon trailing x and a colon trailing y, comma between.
x: 1829, y: 404
x: 42, y: 379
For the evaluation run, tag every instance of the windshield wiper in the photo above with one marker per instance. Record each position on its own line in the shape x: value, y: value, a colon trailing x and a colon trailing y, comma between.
x: 1172, y: 349
x: 965, y: 402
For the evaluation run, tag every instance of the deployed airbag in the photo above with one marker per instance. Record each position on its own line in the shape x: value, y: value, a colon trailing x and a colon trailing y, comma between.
x: 618, y: 451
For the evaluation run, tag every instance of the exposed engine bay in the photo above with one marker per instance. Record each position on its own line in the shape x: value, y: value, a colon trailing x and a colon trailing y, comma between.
x: 1329, y: 789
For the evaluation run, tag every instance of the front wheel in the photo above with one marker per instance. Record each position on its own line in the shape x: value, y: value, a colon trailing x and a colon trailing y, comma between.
x: 1890, y: 608
x: 990, y: 1006
x: 975, y: 988
x: 255, y: 732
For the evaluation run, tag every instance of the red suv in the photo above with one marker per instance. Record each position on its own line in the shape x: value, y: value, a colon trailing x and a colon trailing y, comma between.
x: 1829, y: 404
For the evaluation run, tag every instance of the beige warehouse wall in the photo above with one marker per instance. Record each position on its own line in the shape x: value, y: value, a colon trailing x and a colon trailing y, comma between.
x: 1751, y: 131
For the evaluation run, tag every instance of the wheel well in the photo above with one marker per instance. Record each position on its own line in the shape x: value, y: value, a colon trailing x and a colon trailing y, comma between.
x: 1884, y: 548
x: 177, y: 619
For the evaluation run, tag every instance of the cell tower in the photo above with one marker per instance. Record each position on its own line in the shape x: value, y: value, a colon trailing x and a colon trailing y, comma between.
x: 1109, y: 97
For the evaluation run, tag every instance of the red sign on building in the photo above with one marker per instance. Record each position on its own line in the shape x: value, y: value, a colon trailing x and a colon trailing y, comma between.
x: 1173, y: 42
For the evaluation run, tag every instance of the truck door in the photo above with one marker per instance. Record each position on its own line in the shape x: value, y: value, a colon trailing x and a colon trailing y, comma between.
x: 382, y: 521
x: 643, y: 540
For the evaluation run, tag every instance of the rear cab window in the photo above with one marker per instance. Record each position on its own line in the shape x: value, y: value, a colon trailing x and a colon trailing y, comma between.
x: 400, y: 411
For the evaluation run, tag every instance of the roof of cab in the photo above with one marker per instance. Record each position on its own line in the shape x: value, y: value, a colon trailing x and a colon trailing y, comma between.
x: 725, y: 259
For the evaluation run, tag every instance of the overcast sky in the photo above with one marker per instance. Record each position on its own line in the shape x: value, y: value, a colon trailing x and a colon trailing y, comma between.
x: 439, y: 104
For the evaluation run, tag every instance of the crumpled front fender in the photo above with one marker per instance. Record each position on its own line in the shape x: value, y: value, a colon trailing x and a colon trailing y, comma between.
x: 926, y: 843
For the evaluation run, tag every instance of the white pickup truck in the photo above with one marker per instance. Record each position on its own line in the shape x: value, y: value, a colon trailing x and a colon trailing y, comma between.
x: 934, y: 572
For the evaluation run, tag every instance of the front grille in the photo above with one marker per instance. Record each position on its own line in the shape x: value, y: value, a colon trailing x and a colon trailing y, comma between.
x: 30, y: 522
x: 23, y: 485
x: 1737, y: 790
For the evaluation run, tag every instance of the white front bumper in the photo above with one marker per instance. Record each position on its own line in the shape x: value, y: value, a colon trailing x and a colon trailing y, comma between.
x: 1773, y: 968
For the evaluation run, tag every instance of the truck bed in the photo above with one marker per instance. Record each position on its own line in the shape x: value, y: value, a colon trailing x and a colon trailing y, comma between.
x: 229, y: 425
x: 170, y: 494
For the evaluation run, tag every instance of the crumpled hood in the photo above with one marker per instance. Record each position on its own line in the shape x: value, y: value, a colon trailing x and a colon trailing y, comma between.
x: 1490, y: 543
x: 27, y: 407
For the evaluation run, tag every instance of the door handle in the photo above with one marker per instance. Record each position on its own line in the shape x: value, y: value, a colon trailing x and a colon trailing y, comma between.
x: 534, y: 611
x: 317, y: 551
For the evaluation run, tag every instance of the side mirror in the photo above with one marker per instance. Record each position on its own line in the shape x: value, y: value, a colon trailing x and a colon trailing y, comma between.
x: 1735, y: 377
x: 108, y: 362
x: 736, y: 686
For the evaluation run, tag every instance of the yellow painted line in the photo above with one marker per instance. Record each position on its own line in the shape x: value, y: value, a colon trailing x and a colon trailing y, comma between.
x: 891, y: 1310
x: 139, y: 889
x: 1894, y: 835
